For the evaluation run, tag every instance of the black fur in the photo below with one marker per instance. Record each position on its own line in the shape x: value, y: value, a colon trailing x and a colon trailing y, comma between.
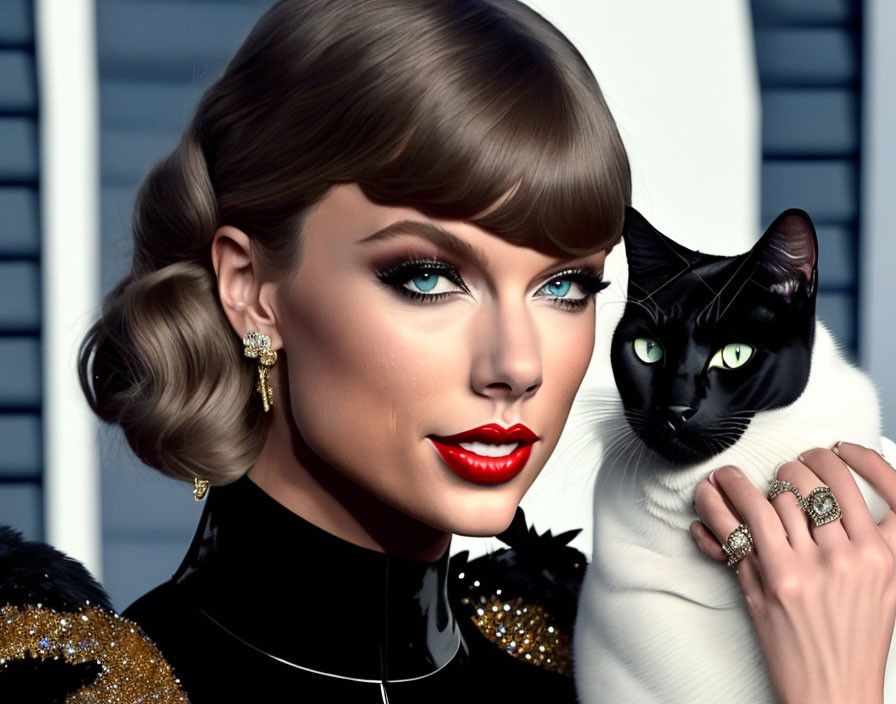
x: 695, y: 304
x: 35, y: 573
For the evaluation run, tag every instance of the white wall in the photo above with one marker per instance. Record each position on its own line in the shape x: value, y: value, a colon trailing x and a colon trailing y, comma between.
x: 680, y: 78
x: 877, y: 323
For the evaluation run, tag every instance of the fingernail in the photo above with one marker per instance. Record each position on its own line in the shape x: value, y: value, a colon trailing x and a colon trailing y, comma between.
x: 802, y: 459
x: 836, y: 448
x: 712, y: 477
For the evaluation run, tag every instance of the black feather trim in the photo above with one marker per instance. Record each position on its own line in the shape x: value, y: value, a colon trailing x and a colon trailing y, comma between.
x: 35, y: 573
x: 541, y: 568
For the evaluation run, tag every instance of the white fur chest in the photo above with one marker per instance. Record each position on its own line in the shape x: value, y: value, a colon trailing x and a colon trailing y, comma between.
x: 660, y: 622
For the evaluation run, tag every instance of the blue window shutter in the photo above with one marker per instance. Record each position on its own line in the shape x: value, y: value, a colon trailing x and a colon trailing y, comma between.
x: 808, y: 55
x: 21, y: 460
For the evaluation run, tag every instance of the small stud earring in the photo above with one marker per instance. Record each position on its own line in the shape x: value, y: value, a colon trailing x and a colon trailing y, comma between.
x: 258, y: 346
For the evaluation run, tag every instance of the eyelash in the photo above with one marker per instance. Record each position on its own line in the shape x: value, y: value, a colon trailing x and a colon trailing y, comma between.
x: 398, y: 274
x: 590, y: 282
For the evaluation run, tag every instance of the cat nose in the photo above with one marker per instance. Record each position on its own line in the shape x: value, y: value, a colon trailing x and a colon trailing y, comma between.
x: 677, y: 416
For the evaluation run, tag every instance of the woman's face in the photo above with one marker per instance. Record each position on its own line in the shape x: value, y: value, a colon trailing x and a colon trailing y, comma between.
x: 401, y: 332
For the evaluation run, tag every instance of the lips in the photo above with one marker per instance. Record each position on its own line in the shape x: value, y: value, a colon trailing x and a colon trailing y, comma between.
x: 488, y: 454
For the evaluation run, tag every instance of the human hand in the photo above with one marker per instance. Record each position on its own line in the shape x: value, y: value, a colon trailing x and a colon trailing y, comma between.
x: 822, y: 598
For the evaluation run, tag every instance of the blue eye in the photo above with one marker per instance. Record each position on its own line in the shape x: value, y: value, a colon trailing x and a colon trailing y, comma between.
x: 573, y: 289
x: 424, y: 280
x: 559, y: 288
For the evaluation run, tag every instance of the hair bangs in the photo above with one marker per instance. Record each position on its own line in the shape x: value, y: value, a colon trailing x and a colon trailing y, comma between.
x: 516, y: 141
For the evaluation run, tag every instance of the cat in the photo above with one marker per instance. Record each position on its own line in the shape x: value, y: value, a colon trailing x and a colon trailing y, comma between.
x: 717, y: 360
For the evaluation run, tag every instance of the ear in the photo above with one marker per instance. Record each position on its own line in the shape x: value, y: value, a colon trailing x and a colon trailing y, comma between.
x: 653, y: 258
x: 244, y: 294
x: 787, y: 256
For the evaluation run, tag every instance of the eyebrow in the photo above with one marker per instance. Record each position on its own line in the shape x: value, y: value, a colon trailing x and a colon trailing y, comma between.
x: 435, y: 234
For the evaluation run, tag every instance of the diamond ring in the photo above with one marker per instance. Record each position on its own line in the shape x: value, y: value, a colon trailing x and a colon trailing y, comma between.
x: 822, y: 505
x: 776, y: 487
x: 738, y: 544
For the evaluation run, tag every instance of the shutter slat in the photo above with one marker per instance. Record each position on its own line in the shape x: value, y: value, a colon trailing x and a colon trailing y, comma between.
x: 837, y: 260
x: 837, y: 311
x: 20, y: 507
x: 18, y: 89
x: 821, y: 122
x: 807, y: 57
x: 20, y: 297
x: 150, y: 106
x: 20, y: 372
x: 127, y: 155
x: 163, y: 39
x: 16, y: 24
x: 826, y: 189
x: 20, y: 446
x: 19, y: 234
x: 804, y: 11
x: 18, y: 149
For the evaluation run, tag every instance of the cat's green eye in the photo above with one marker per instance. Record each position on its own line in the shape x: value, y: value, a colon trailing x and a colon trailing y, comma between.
x: 648, y: 351
x: 732, y: 356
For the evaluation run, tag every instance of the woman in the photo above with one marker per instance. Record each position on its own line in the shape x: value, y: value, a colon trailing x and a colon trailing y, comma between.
x: 402, y: 209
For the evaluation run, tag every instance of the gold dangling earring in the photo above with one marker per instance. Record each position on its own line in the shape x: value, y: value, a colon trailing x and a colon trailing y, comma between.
x: 200, y: 488
x: 258, y: 346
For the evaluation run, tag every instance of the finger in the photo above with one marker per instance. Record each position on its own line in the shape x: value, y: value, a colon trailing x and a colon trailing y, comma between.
x: 749, y: 578
x: 707, y: 542
x: 792, y: 514
x: 715, y: 513
x: 756, y: 511
x: 873, y: 468
x: 857, y: 520
x: 888, y: 530
x: 831, y: 534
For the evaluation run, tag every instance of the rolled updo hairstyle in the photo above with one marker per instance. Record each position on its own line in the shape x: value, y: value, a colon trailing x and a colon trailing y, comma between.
x: 447, y: 107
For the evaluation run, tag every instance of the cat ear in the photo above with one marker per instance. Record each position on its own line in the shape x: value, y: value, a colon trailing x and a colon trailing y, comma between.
x: 787, y: 256
x: 653, y: 258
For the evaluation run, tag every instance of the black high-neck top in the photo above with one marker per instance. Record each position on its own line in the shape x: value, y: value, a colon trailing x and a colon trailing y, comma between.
x: 266, y: 605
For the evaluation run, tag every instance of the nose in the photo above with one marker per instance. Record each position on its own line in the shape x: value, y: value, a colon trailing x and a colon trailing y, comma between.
x: 677, y: 416
x: 507, y: 357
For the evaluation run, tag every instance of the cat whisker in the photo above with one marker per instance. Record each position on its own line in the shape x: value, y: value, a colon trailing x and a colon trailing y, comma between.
x: 615, y: 451
x: 633, y: 460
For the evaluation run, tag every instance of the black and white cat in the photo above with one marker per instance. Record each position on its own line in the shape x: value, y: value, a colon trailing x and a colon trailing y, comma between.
x: 717, y: 360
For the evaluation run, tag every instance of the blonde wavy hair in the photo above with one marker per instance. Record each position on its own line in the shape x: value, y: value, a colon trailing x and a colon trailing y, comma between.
x: 446, y: 107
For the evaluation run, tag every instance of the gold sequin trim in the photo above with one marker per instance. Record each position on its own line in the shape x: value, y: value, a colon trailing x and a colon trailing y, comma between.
x: 131, y: 668
x: 526, y: 631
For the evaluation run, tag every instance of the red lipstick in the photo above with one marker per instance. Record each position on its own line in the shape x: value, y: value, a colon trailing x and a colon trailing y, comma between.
x: 484, y: 469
